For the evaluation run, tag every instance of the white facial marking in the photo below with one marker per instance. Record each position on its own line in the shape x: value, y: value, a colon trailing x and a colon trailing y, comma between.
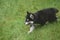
x: 31, y: 29
x: 31, y: 16
x: 31, y: 22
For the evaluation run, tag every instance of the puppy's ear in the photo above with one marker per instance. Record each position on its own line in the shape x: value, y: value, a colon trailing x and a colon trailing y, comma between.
x: 28, y: 12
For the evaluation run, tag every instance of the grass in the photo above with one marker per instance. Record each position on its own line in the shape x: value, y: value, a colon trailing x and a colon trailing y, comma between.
x: 12, y: 17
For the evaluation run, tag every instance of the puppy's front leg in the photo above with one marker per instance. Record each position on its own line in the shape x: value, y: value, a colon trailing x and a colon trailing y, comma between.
x: 31, y: 29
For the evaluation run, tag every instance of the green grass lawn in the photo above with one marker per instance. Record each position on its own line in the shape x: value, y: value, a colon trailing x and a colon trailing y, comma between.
x: 12, y: 17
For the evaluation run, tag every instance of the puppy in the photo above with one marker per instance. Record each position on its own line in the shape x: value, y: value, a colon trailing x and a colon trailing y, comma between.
x: 41, y: 17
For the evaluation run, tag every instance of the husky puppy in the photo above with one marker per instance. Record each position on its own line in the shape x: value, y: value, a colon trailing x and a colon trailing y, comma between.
x: 41, y: 17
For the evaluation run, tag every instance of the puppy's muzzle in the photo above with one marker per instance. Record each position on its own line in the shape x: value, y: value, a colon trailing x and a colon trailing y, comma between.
x: 30, y: 22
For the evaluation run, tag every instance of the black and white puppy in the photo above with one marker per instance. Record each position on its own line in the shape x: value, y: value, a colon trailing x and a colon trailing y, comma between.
x: 30, y: 21
x: 41, y: 17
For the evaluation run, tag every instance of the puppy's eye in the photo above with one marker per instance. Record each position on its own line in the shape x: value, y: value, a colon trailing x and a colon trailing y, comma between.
x: 27, y: 19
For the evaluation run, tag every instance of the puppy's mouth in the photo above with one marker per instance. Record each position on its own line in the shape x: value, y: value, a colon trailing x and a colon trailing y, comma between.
x: 30, y: 22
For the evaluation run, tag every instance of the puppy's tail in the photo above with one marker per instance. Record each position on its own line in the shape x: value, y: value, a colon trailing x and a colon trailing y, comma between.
x: 56, y: 10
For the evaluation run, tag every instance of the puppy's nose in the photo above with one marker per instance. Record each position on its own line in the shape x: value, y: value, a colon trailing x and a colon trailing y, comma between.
x: 26, y: 23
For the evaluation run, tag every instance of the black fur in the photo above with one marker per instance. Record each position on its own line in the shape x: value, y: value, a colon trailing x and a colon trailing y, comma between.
x: 42, y: 16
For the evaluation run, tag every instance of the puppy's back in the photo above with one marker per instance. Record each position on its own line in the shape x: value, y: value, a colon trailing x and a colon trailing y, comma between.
x: 47, y: 11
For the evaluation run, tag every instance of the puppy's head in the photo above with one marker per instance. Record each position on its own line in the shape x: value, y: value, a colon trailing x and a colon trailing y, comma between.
x: 29, y: 18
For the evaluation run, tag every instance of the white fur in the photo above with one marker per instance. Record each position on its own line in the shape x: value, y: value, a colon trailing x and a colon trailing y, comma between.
x: 31, y: 16
x: 31, y: 22
x: 31, y: 29
x: 46, y: 22
x: 26, y: 23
